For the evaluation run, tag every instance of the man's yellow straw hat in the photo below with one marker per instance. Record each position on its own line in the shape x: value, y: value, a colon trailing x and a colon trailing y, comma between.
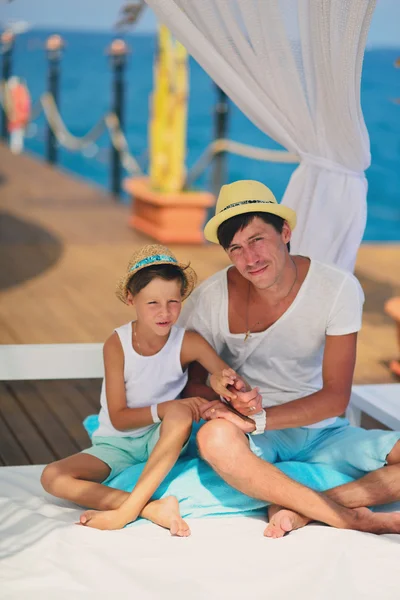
x: 243, y: 197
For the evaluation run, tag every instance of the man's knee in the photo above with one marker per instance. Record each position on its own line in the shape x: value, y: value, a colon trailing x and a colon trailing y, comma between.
x: 216, y: 439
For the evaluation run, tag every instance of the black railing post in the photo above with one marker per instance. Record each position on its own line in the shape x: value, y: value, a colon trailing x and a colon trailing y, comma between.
x: 221, y: 114
x: 7, y: 46
x: 118, y: 52
x: 54, y: 47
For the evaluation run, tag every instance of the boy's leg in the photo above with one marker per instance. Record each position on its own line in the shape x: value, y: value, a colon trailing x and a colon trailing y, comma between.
x: 174, y: 432
x: 78, y: 479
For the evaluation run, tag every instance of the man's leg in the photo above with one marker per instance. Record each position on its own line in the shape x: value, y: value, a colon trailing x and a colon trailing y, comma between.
x: 378, y: 487
x: 226, y: 449
x: 381, y: 486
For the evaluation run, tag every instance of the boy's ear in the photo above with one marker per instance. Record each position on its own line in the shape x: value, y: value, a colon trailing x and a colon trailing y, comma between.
x: 130, y: 299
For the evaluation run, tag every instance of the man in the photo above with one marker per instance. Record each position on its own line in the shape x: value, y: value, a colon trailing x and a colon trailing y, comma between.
x: 288, y: 325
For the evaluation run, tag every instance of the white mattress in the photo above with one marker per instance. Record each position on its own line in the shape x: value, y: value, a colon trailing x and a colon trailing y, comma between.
x: 45, y: 556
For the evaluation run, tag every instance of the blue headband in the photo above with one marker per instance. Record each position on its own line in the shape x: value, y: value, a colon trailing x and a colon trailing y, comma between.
x: 153, y: 259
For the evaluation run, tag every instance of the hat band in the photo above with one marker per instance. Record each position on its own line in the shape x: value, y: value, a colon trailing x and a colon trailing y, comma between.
x: 248, y: 202
x: 150, y: 260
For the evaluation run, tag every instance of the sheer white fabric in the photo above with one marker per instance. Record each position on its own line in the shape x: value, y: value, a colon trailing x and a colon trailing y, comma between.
x: 294, y: 68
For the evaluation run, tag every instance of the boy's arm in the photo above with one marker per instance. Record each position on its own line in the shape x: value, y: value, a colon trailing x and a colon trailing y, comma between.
x: 195, y: 349
x: 122, y: 417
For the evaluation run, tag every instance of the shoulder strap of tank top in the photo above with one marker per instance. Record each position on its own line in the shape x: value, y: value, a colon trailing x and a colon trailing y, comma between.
x: 125, y: 336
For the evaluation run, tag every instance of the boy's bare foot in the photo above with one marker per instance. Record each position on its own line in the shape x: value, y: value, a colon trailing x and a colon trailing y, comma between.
x: 282, y: 521
x: 165, y: 512
x: 104, y: 519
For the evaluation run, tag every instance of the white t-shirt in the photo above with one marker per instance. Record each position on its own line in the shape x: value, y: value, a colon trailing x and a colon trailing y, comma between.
x: 285, y: 361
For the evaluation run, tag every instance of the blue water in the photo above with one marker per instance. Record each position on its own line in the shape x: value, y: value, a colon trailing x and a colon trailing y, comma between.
x: 85, y: 97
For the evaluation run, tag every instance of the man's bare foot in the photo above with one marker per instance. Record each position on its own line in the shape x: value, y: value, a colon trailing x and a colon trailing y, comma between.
x: 379, y: 523
x: 282, y: 521
x: 104, y: 519
x: 165, y: 512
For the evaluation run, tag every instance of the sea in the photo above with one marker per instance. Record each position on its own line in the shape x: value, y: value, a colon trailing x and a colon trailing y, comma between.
x: 86, y: 92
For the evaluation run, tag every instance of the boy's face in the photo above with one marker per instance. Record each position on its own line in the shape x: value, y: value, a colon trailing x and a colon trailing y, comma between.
x: 158, y: 305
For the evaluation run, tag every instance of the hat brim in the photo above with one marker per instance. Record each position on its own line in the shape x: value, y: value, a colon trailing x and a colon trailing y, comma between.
x: 188, y: 273
x: 211, y: 228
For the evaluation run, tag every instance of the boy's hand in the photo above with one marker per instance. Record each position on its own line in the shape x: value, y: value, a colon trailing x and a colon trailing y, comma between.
x: 220, y: 382
x: 195, y: 404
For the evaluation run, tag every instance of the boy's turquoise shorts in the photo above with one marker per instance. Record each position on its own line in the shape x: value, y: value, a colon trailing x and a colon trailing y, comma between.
x: 119, y: 452
x: 351, y: 450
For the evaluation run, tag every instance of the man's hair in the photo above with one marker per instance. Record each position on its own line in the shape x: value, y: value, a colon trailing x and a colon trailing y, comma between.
x: 228, y: 229
x: 167, y: 272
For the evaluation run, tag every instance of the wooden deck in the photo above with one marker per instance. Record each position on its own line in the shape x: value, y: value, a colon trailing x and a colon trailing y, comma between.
x: 63, y: 244
x: 42, y: 421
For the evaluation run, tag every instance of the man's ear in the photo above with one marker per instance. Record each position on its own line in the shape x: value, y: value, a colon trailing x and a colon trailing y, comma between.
x: 286, y: 233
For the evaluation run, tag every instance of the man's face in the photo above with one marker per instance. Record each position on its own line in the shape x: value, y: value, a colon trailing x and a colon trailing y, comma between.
x: 259, y: 252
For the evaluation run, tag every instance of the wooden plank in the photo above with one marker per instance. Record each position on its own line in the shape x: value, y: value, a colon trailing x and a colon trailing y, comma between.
x: 91, y: 389
x: 11, y: 453
x: 70, y: 406
x: 23, y: 429
x: 50, y: 427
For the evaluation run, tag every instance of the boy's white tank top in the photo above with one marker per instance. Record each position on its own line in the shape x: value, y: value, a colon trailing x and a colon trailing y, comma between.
x: 148, y: 379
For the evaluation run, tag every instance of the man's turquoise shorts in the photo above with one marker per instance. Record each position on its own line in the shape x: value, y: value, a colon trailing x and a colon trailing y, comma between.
x: 350, y: 450
x: 119, y: 453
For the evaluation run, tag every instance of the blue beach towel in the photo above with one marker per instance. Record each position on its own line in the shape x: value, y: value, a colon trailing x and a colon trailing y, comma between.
x: 202, y: 493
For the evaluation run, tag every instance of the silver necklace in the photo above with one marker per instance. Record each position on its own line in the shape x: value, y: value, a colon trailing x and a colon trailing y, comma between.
x: 248, y: 329
x: 136, y: 339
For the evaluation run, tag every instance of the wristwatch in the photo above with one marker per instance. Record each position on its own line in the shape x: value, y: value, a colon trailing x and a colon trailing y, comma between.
x: 260, y: 419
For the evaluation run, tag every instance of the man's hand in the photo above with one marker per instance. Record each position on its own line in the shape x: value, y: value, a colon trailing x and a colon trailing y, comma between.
x: 246, y: 402
x: 218, y: 410
x: 225, y: 383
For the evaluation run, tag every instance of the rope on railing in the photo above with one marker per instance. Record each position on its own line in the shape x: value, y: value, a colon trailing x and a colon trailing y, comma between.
x: 110, y: 123
x: 74, y: 143
x: 245, y: 150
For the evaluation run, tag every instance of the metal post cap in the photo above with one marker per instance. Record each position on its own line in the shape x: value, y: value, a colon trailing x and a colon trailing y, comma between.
x: 7, y: 37
x: 54, y: 43
x: 118, y: 48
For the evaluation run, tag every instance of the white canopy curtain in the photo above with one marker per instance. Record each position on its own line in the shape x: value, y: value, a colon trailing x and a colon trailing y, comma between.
x: 294, y: 68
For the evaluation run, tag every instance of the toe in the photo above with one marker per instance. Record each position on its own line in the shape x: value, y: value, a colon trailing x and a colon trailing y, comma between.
x: 174, y: 529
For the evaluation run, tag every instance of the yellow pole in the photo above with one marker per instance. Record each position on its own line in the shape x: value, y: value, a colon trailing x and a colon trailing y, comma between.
x: 169, y: 113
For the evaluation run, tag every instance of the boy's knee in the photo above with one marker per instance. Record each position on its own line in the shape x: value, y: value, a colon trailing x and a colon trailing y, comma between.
x: 180, y: 414
x: 216, y: 439
x: 50, y: 478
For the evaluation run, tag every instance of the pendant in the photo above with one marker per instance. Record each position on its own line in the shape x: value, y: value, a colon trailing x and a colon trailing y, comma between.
x: 248, y: 334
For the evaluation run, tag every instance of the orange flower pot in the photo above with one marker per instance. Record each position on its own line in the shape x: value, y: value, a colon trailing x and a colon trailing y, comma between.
x: 169, y: 217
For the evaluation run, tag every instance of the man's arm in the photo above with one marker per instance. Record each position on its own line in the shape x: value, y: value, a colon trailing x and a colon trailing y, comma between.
x: 332, y: 400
